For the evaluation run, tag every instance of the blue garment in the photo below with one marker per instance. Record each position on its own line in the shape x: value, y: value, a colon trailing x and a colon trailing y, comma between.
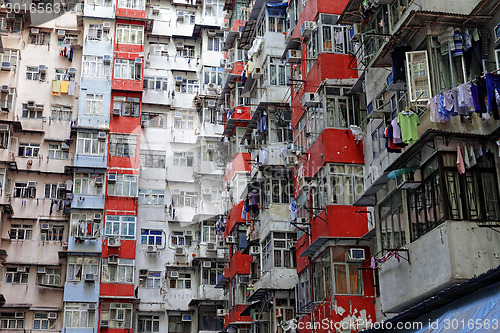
x: 445, y: 116
x: 492, y: 84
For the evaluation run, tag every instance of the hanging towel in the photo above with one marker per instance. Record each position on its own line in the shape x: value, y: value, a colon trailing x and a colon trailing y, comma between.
x: 460, y: 161
x: 71, y: 88
x: 472, y: 156
x: 466, y: 157
x: 56, y: 88
x: 64, y: 87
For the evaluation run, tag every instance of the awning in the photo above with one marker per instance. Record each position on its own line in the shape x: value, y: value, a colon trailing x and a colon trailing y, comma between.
x: 198, y: 302
x: 249, y: 308
x: 336, y: 241
x: 368, y: 198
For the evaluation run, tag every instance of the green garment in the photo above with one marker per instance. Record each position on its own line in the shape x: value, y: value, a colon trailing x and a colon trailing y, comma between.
x: 408, y: 124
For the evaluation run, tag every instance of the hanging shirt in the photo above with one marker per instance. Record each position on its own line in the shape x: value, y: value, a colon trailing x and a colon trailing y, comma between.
x: 432, y: 105
x: 465, y: 95
x: 408, y: 124
x: 460, y: 160
x: 459, y: 110
x: 396, y: 131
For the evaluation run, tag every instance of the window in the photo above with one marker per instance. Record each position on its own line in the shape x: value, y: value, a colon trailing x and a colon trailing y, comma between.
x: 121, y: 273
x: 15, y: 275
x: 208, y: 320
x: 340, y: 112
x: 41, y: 38
x: 177, y: 238
x: 129, y: 34
x: 151, y: 197
x: 151, y: 237
x: 10, y: 56
x: 392, y: 225
x: 300, y: 135
x: 25, y: 190
x: 57, y: 153
x: 158, y: 49
x: 278, y: 188
x: 176, y: 325
x: 95, y: 32
x: 150, y: 280
x: 79, y: 267
x: 55, y: 191
x: 155, y: 83
x: 131, y: 4
x: 50, y: 277
x: 118, y: 314
x: 277, y: 23
x: 277, y: 250
x: 21, y: 231
x: 213, y: 75
x: 128, y: 69
x: 125, y: 185
x: 32, y: 110
x: 186, y: 52
x: 189, y: 17
x: 312, y: 50
x: 85, y: 226
x: 184, y: 199
x: 215, y: 44
x: 7, y: 100
x: 238, y: 293
x: 378, y: 140
x: 8, y: 320
x: 148, y: 324
x: 61, y: 113
x: 155, y: 120
x: 334, y: 37
x: 88, y: 143
x: 346, y: 183
x: 208, y: 232
x: 106, y: 3
x: 332, y: 275
x: 51, y: 232
x: 33, y: 74
x: 123, y: 145
x: 85, y: 183
x: 184, y: 159
x: 216, y: 9
x: 153, y: 159
x: 126, y: 106
x: 121, y: 226
x: 182, y: 282
x: 209, y: 154
x: 190, y: 86
x: 80, y: 315
x: 183, y: 121
x: 303, y: 290
x: 419, y: 79
x: 94, y: 67
x: 28, y: 150
x: 211, y: 275
x: 41, y: 321
x: 60, y: 74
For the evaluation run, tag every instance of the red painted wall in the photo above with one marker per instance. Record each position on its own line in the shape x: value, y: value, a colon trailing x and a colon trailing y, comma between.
x: 116, y: 289
x: 233, y: 217
x: 343, y: 221
x: 121, y: 204
x: 328, y: 66
x: 240, y: 162
x: 126, y: 250
x: 238, y: 264
x: 234, y: 315
x: 313, y: 7
x: 132, y: 13
x: 302, y: 244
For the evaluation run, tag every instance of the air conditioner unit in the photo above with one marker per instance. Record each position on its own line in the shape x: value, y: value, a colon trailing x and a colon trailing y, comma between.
x: 106, y: 25
x: 180, y: 15
x: 41, y: 270
x: 89, y: 277
x: 116, y: 111
x: 52, y: 315
x: 152, y: 249
x: 61, y: 33
x: 104, y: 323
x: 211, y: 247
x: 179, y: 46
x: 208, y: 3
x: 186, y: 317
x: 307, y: 28
x: 21, y: 269
x: 293, y: 56
x: 257, y: 73
x: 310, y: 99
x: 180, y: 251
x: 19, y: 315
x: 31, y: 184
x: 138, y: 60
x: 35, y: 31
x: 102, y: 136
x: 97, y: 217
x: 72, y: 71
x: 156, y: 9
x: 243, y: 279
x: 6, y: 66
x: 211, y: 104
x: 92, y: 306
x: 174, y: 274
x: 212, y: 87
x: 356, y: 255
x: 107, y: 59
x: 207, y: 264
x: 221, y: 312
x: 113, y: 259
x: 98, y: 181
x: 5, y: 89
x: 354, y: 32
x: 42, y: 68
x: 211, y: 32
x: 44, y: 226
x: 111, y: 178
x: 207, y: 190
x: 4, y: 127
x: 178, y: 79
x: 230, y: 240
x: 254, y: 250
x: 188, y: 233
x: 114, y: 242
x: 64, y: 146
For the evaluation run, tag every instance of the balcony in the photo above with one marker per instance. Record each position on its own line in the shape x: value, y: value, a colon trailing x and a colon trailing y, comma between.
x: 240, y: 116
x: 84, y: 201
x: 131, y: 13
x: 127, y: 85
x: 449, y: 254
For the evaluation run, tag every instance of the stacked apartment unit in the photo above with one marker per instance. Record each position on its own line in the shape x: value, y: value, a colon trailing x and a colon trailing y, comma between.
x: 434, y: 201
x: 110, y: 185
